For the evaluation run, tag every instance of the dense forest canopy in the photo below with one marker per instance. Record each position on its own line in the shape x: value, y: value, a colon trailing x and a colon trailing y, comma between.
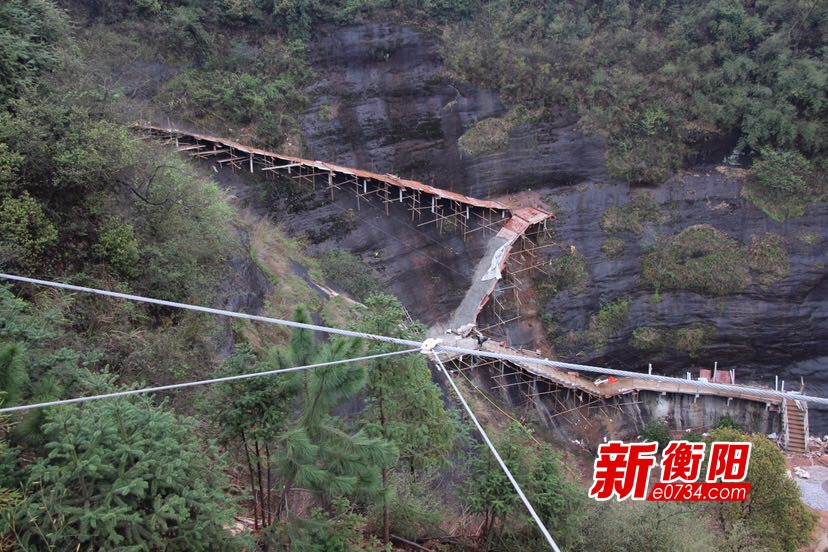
x: 366, y: 448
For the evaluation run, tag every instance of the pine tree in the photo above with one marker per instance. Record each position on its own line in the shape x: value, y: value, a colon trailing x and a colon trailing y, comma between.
x: 287, y: 427
x: 404, y: 405
x: 319, y: 453
x: 12, y: 374
x: 126, y: 475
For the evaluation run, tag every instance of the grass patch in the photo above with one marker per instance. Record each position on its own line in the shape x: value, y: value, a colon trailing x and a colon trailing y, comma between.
x: 783, y: 183
x: 492, y: 135
x: 808, y: 238
x: 328, y: 112
x: 699, y: 258
x: 689, y: 339
x: 613, y: 247
x: 703, y: 259
x: 692, y: 338
x: 608, y: 322
x: 642, y: 209
x: 348, y: 272
x: 272, y: 251
x: 566, y: 273
x: 767, y: 257
x: 612, y: 317
x: 648, y: 338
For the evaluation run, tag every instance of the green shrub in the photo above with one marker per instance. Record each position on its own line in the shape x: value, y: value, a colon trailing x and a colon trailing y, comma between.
x: 650, y: 339
x: 10, y: 164
x: 727, y: 422
x: 703, y: 259
x: 239, y: 99
x: 689, y: 339
x: 768, y: 258
x: 645, y: 159
x: 658, y: 431
x: 780, y: 184
x: 613, y: 247
x: 612, y: 317
x: 93, y: 156
x: 609, y: 321
x: 699, y: 258
x: 30, y: 32
x: 566, y: 273
x: 118, y: 247
x: 641, y: 210
x: 25, y: 231
x: 781, y: 174
x: 327, y: 112
x: 487, y: 136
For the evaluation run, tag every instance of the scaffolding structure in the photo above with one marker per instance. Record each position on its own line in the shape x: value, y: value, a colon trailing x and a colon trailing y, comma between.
x: 527, y: 259
x: 526, y: 389
x: 427, y: 205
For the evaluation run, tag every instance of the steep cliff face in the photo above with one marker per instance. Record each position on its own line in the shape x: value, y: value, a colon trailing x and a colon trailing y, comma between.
x: 760, y: 331
x: 383, y: 102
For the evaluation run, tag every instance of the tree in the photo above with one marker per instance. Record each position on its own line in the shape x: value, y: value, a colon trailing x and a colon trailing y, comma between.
x: 646, y: 526
x: 30, y: 31
x: 128, y: 475
x: 251, y: 414
x: 25, y: 231
x: 539, y: 471
x: 10, y: 496
x: 287, y: 428
x: 403, y: 404
x: 12, y: 373
x: 773, y: 517
x: 117, y: 246
x: 318, y: 452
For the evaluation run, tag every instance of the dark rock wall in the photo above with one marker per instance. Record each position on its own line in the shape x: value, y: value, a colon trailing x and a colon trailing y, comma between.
x: 383, y: 102
x: 761, y: 332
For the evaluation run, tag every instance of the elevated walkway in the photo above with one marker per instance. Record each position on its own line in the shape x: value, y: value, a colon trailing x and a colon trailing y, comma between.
x: 450, y: 209
x: 441, y: 207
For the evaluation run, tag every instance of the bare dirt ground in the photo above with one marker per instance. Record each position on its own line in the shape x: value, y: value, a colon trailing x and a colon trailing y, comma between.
x: 814, y: 494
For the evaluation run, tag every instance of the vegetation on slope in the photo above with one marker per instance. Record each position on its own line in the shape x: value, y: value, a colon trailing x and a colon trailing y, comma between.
x: 335, y: 458
x: 658, y: 79
x: 703, y: 259
x: 784, y: 183
x: 642, y: 209
x: 689, y: 339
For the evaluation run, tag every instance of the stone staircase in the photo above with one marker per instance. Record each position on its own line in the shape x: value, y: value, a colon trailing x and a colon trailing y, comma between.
x: 795, y: 421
